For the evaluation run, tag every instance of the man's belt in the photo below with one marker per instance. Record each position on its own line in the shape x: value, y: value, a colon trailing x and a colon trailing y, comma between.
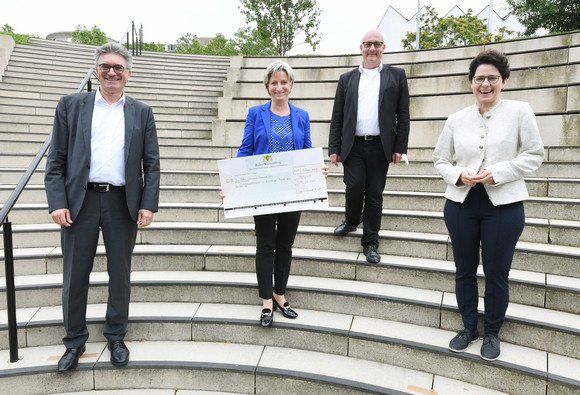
x: 368, y: 137
x: 102, y: 187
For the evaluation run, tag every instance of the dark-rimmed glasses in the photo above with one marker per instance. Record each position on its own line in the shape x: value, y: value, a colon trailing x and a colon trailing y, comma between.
x: 105, y: 68
x: 493, y: 79
x: 376, y: 44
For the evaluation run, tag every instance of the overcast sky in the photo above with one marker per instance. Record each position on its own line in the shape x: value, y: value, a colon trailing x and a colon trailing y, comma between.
x: 343, y: 22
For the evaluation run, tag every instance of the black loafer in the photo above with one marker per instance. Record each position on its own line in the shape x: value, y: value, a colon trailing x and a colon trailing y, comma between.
x: 119, y: 352
x: 344, y: 229
x: 70, y: 359
x: 266, y: 318
x: 372, y: 254
x: 286, y: 310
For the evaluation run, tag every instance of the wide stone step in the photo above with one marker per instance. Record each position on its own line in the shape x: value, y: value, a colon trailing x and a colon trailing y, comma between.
x: 534, y: 327
x: 535, y: 257
x: 560, y: 293
x: 213, y: 366
x: 537, y: 230
x: 536, y: 207
x: 405, y: 345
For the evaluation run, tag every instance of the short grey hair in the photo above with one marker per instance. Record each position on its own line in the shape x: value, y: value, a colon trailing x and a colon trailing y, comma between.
x: 278, y: 65
x: 114, y: 48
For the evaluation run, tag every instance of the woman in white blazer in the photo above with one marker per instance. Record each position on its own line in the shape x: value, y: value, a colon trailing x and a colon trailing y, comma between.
x: 483, y: 153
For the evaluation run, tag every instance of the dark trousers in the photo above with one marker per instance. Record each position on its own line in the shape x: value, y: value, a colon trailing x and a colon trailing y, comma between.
x: 107, y: 211
x: 275, y: 234
x: 497, y: 228
x: 365, y: 172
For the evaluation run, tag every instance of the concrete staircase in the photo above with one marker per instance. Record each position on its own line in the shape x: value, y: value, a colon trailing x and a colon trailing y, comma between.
x: 362, y: 328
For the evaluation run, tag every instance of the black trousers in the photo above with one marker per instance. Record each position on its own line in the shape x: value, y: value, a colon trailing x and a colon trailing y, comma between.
x: 497, y: 229
x: 275, y: 234
x: 365, y: 172
x: 107, y: 211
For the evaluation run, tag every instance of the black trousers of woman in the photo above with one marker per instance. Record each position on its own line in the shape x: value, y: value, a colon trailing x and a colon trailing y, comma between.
x: 275, y: 234
x: 497, y: 229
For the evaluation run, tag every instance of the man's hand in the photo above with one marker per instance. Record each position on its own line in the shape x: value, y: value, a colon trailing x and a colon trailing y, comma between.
x: 62, y: 217
x: 145, y: 218
x: 335, y: 158
x: 397, y: 157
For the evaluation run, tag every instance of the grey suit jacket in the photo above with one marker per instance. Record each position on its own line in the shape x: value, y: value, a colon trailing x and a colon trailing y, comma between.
x: 393, y: 113
x: 69, y: 158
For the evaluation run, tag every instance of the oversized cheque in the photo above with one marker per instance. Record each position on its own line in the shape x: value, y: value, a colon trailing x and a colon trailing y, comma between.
x: 273, y: 183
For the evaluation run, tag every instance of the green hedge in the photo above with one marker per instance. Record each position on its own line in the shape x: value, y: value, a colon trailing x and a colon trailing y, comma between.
x: 18, y: 38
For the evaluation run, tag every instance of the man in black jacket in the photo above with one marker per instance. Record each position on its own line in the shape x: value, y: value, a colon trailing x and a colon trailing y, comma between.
x: 368, y: 130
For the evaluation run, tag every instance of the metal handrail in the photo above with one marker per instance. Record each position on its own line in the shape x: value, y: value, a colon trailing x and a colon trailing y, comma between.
x: 7, y: 233
x: 136, y: 41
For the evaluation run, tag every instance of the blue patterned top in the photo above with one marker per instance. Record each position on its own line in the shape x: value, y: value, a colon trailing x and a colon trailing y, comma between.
x: 281, y: 139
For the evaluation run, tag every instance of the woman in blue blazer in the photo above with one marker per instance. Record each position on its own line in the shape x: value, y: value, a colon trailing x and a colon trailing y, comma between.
x: 276, y: 126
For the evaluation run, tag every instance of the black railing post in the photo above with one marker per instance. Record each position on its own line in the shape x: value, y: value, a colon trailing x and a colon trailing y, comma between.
x: 133, y: 37
x: 127, y: 40
x: 10, y: 291
x: 141, y: 40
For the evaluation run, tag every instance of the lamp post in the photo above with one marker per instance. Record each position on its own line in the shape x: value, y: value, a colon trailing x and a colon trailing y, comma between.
x: 418, y: 24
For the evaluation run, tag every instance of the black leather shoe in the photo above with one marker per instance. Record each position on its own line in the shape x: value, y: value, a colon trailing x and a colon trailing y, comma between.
x: 344, y: 229
x: 70, y: 359
x: 372, y: 254
x: 119, y: 352
x: 266, y: 318
x: 286, y: 309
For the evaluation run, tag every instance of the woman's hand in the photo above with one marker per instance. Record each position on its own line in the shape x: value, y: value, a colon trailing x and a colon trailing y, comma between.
x: 484, y: 176
x: 325, y: 169
x: 222, y: 196
x: 466, y: 178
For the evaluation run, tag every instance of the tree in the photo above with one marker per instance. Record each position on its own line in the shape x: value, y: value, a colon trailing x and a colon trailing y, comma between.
x: 452, y: 31
x: 83, y: 35
x: 219, y: 45
x: 555, y: 15
x: 7, y: 28
x: 281, y: 21
x: 249, y: 42
x: 188, y: 43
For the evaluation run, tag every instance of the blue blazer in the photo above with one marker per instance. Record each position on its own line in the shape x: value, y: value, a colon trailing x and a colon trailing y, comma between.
x: 257, y: 131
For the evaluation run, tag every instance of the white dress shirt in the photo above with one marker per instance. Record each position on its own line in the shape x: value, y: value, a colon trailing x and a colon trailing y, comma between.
x: 108, y: 142
x: 367, y: 118
x: 505, y: 140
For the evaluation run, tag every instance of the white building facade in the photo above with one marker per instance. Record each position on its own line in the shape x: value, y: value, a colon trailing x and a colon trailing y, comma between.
x: 395, y: 26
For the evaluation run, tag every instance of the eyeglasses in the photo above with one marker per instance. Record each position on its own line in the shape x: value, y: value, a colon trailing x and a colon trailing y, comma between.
x: 493, y: 79
x: 119, y: 69
x: 376, y: 44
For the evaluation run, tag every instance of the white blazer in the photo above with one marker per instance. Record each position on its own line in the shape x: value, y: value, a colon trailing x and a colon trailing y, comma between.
x: 505, y: 140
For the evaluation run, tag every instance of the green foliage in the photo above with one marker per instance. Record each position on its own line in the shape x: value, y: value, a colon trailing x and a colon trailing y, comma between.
x: 452, y: 31
x: 94, y: 36
x: 554, y: 15
x: 18, y: 38
x: 155, y: 47
x: 7, y: 28
x: 249, y: 42
x: 188, y: 43
x: 218, y: 45
x: 281, y: 21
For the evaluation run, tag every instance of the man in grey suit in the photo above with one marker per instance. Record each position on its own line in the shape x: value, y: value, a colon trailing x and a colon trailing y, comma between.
x: 368, y: 130
x: 102, y: 172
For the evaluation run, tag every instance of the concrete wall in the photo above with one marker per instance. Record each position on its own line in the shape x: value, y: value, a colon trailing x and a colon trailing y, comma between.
x: 6, y: 46
x: 545, y: 73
